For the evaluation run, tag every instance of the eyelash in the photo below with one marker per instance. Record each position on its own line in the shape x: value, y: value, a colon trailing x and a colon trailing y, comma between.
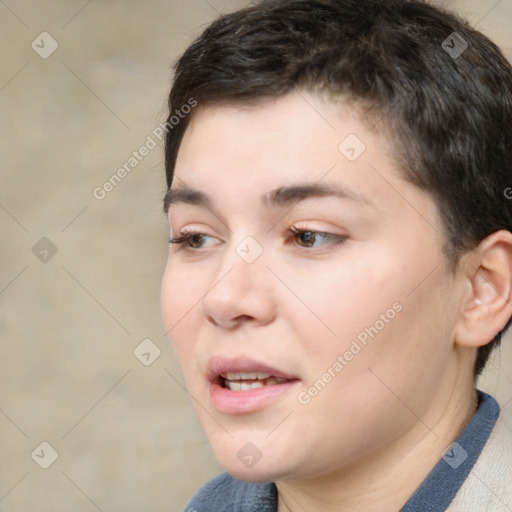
x: 186, y: 236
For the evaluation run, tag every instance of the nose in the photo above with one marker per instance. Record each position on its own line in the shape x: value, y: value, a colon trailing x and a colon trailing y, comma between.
x: 240, y: 293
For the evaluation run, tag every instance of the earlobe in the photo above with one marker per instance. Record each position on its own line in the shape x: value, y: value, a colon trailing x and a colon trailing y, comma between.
x: 488, y: 306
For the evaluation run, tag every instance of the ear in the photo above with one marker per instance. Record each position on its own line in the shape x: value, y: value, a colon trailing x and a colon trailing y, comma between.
x: 487, y: 307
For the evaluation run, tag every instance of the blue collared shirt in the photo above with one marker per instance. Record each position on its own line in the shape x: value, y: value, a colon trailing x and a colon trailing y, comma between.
x: 227, y: 494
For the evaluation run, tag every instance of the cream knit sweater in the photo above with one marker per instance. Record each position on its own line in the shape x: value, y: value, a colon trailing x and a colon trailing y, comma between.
x: 488, y: 487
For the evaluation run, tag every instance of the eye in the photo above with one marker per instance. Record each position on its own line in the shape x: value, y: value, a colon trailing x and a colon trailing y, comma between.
x: 311, y: 239
x: 193, y: 240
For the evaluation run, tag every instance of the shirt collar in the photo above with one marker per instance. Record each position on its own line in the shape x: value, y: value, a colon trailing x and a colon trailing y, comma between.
x: 444, y: 481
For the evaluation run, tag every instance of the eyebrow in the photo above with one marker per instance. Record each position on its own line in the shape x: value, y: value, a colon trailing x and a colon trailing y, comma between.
x: 284, y: 196
x: 280, y: 197
x: 186, y: 195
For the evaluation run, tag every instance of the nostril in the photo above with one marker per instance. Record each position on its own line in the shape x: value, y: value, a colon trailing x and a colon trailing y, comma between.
x: 220, y: 320
x: 211, y: 320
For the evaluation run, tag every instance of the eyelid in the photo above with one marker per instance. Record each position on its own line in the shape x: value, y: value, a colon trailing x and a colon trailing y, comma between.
x: 184, y: 235
x: 191, y: 229
x: 328, y: 238
x: 335, y: 238
x: 314, y: 228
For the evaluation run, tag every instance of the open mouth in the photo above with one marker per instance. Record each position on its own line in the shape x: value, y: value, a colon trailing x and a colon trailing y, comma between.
x: 245, y: 381
x: 242, y: 385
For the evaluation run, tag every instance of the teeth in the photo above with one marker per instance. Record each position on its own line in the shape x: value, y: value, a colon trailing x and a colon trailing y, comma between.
x: 243, y: 386
x: 243, y: 376
x: 234, y: 386
x: 247, y: 376
x: 239, y: 385
x: 273, y: 381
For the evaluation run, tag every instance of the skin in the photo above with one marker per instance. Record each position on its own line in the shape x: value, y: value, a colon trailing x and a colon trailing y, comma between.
x: 368, y: 439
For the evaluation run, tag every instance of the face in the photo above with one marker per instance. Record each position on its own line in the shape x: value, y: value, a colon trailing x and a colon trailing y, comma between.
x: 306, y: 295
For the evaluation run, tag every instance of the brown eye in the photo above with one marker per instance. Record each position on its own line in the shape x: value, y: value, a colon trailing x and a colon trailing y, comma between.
x: 315, y: 239
x: 306, y: 238
x: 196, y: 241
x: 190, y: 240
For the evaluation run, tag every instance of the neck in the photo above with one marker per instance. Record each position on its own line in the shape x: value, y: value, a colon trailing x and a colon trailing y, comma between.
x: 383, y: 481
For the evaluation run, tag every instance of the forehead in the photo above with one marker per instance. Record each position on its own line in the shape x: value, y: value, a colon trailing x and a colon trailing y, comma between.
x: 249, y: 150
x: 296, y: 132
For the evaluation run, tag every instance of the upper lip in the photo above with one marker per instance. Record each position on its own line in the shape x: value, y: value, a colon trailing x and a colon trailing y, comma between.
x: 219, y: 365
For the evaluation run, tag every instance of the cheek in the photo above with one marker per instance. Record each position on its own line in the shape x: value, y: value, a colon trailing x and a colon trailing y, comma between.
x: 346, y: 297
x: 386, y: 346
x: 181, y: 304
x: 376, y: 311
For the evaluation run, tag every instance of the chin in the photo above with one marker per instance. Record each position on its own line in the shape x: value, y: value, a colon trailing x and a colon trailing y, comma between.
x: 251, y: 475
x: 251, y: 465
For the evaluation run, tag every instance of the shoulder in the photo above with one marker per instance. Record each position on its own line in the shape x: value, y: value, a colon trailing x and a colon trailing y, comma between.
x: 227, y: 494
x: 488, y: 485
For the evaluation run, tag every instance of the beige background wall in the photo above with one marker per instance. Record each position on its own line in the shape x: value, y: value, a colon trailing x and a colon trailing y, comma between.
x: 125, y: 433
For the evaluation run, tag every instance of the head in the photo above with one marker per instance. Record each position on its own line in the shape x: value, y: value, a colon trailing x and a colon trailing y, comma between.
x: 364, y: 150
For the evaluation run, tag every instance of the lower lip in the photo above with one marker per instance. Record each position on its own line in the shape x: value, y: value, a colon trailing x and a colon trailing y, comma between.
x: 238, y: 402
